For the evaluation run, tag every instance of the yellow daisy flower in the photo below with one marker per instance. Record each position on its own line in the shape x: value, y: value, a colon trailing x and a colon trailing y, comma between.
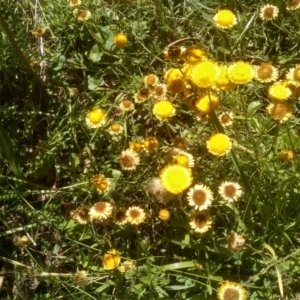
x: 82, y: 15
x: 111, y: 259
x: 129, y: 160
x: 100, y: 211
x: 82, y: 215
x: 231, y: 291
x: 236, y: 242
x: 136, y: 146
x: 223, y: 83
x: 163, y: 110
x: 184, y: 159
x: 150, y: 144
x: 218, y: 144
x: 151, y: 80
x: 292, y: 4
x: 225, y: 19
x: 200, y: 196
x: 115, y: 129
x: 22, y: 241
x: 96, y: 118
x: 75, y: 2
x: 280, y: 111
x: 293, y: 75
x: 164, y: 215
x: 240, y: 72
x: 142, y: 95
x: 201, y: 222
x: 230, y: 191
x: 160, y: 91
x: 266, y: 73
x: 226, y: 118
x: 269, y: 12
x: 279, y: 92
x: 286, y: 155
x: 207, y: 103
x: 120, y: 40
x: 194, y: 54
x: 101, y: 183
x: 126, y: 105
x: 174, y: 53
x: 135, y: 215
x: 176, y: 178
x: 205, y: 74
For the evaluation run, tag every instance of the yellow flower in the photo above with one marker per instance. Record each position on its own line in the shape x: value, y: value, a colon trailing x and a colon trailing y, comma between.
x: 236, y: 242
x: 101, y: 183
x: 280, y: 111
x: 231, y: 291
x: 226, y: 118
x: 151, y: 80
x: 279, y: 92
x: 230, y: 191
x: 292, y: 4
x: 164, y: 215
x: 150, y: 144
x: 82, y: 215
x: 39, y: 31
x: 80, y: 278
x: 174, y: 53
x: 120, y: 40
x: 225, y: 19
x: 75, y: 2
x: 82, y: 15
x: 129, y: 160
x: 135, y: 146
x: 240, y: 72
x: 163, y: 110
x: 142, y: 95
x: 184, y: 159
x: 200, y: 196
x: 218, y: 144
x: 205, y: 74
x: 96, y: 118
x: 126, y: 266
x: 194, y: 54
x: 111, y: 259
x: 176, y: 178
x: 135, y: 215
x: 175, y: 80
x: 293, y: 75
x: 208, y: 103
x: 266, y: 73
x: 126, y: 105
x: 100, y: 211
x: 22, y: 241
x: 160, y: 91
x: 286, y: 155
x: 120, y: 216
x: 115, y: 129
x: 269, y: 12
x: 223, y: 83
x: 200, y: 222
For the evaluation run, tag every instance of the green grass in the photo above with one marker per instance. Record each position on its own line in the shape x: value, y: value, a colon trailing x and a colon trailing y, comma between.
x: 48, y: 155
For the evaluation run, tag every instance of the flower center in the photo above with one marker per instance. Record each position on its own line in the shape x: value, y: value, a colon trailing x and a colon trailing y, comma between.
x: 199, y: 197
x: 115, y: 127
x: 159, y: 90
x: 120, y: 215
x: 230, y: 191
x: 134, y: 214
x: 100, y: 206
x: 126, y: 103
x: 127, y: 161
x: 200, y: 220
x: 231, y: 294
x: 269, y: 12
x: 151, y: 80
x: 96, y: 116
x: 83, y: 213
x: 264, y: 72
x: 225, y: 119
x: 144, y: 93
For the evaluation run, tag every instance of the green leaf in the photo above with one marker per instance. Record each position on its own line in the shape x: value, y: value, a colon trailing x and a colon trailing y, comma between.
x: 93, y: 83
x: 180, y: 265
x: 95, y: 54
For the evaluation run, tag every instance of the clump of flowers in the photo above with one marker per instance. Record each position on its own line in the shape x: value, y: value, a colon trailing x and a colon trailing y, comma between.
x: 230, y: 191
x: 201, y: 222
x: 269, y: 12
x: 218, y: 144
x: 120, y: 40
x: 200, y: 196
x: 225, y: 19
x: 176, y: 178
x: 231, y: 290
x: 163, y: 110
x: 135, y: 215
x: 96, y: 118
x: 111, y: 259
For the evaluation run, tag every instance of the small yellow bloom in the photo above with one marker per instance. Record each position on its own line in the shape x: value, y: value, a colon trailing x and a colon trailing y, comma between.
x: 39, y: 31
x: 225, y: 19
x: 126, y: 105
x: 101, y: 183
x: 135, y: 146
x: 208, y: 103
x: 151, y: 80
x: 96, y: 118
x: 115, y: 129
x: 164, y: 215
x: 279, y: 92
x: 266, y: 73
x: 218, y: 144
x: 194, y: 54
x: 120, y: 40
x: 231, y: 291
x: 82, y: 15
x: 163, y: 110
x: 240, y: 72
x: 150, y: 144
x: 174, y: 53
x: 286, y: 155
x: 75, y: 2
x: 205, y: 74
x: 269, y: 12
x: 135, y: 215
x: 111, y: 259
